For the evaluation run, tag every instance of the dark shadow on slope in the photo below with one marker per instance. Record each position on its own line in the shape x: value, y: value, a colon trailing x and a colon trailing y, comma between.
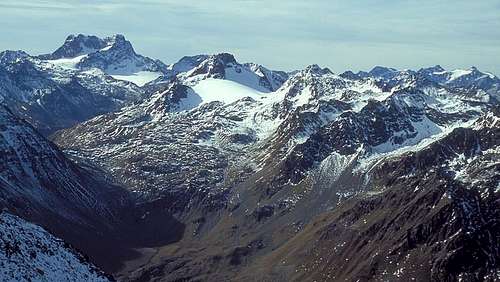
x: 109, y: 247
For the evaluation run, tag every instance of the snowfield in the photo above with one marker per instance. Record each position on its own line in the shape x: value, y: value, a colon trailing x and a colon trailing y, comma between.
x: 140, y: 78
x: 225, y: 91
x: 67, y: 63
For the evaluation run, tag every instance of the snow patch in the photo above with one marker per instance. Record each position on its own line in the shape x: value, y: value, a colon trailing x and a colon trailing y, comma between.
x: 424, y: 129
x: 454, y: 74
x: 245, y: 77
x: 225, y: 91
x: 430, y: 134
x: 29, y: 253
x: 140, y: 78
x: 67, y: 63
x: 191, y: 101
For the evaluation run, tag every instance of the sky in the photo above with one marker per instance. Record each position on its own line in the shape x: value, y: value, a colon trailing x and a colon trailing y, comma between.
x: 285, y: 34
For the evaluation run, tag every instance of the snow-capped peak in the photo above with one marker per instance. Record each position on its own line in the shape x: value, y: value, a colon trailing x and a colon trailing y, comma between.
x: 113, y: 55
x: 214, y: 65
x: 224, y: 66
x: 77, y: 45
x: 462, y: 78
x: 379, y: 71
x: 187, y: 63
x: 224, y: 58
x: 119, y: 43
x: 434, y: 69
x: 10, y: 56
x: 315, y: 69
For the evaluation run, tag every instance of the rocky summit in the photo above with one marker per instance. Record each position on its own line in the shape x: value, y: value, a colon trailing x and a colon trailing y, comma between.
x: 210, y: 169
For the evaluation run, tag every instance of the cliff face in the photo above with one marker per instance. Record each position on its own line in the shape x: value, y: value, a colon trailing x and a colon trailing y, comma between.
x: 433, y: 216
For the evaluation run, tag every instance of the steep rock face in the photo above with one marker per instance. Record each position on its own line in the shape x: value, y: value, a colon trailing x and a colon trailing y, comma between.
x: 188, y: 63
x: 426, y: 219
x: 88, y: 76
x: 52, y: 97
x: 225, y: 66
x: 271, y: 79
x: 76, y: 201
x: 77, y: 45
x: 28, y: 252
x: 177, y: 97
x: 119, y: 57
x: 214, y: 66
x: 38, y: 179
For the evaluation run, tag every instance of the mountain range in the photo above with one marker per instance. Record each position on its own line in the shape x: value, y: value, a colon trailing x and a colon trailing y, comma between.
x: 209, y: 169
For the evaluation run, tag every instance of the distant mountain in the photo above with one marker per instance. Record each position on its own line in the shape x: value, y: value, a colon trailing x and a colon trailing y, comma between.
x: 113, y: 55
x: 254, y: 162
x: 468, y: 79
x: 463, y: 78
x: 188, y: 63
x: 83, y: 78
x: 225, y: 66
x: 53, y: 97
x: 88, y: 76
x: 77, y: 45
x: 212, y: 169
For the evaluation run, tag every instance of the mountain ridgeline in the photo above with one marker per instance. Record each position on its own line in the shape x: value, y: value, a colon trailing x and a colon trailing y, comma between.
x: 209, y: 169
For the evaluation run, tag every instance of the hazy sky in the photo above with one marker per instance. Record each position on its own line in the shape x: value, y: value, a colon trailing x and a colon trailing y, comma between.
x: 285, y: 34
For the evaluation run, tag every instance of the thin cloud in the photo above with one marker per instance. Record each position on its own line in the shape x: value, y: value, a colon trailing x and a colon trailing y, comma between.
x: 282, y: 34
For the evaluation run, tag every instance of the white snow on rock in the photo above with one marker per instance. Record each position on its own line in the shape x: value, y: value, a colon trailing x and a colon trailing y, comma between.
x: 245, y: 77
x: 140, y: 78
x: 29, y: 253
x: 424, y: 129
x: 458, y: 73
x: 191, y: 101
x: 225, y: 91
x: 67, y: 63
x: 427, y: 133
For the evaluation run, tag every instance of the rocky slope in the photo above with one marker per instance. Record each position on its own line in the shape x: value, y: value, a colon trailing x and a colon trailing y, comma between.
x: 113, y: 55
x: 247, y: 169
x: 29, y: 253
x: 212, y: 169
x: 88, y: 76
x: 77, y: 202
x: 431, y: 215
x: 38, y: 179
x: 83, y: 78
